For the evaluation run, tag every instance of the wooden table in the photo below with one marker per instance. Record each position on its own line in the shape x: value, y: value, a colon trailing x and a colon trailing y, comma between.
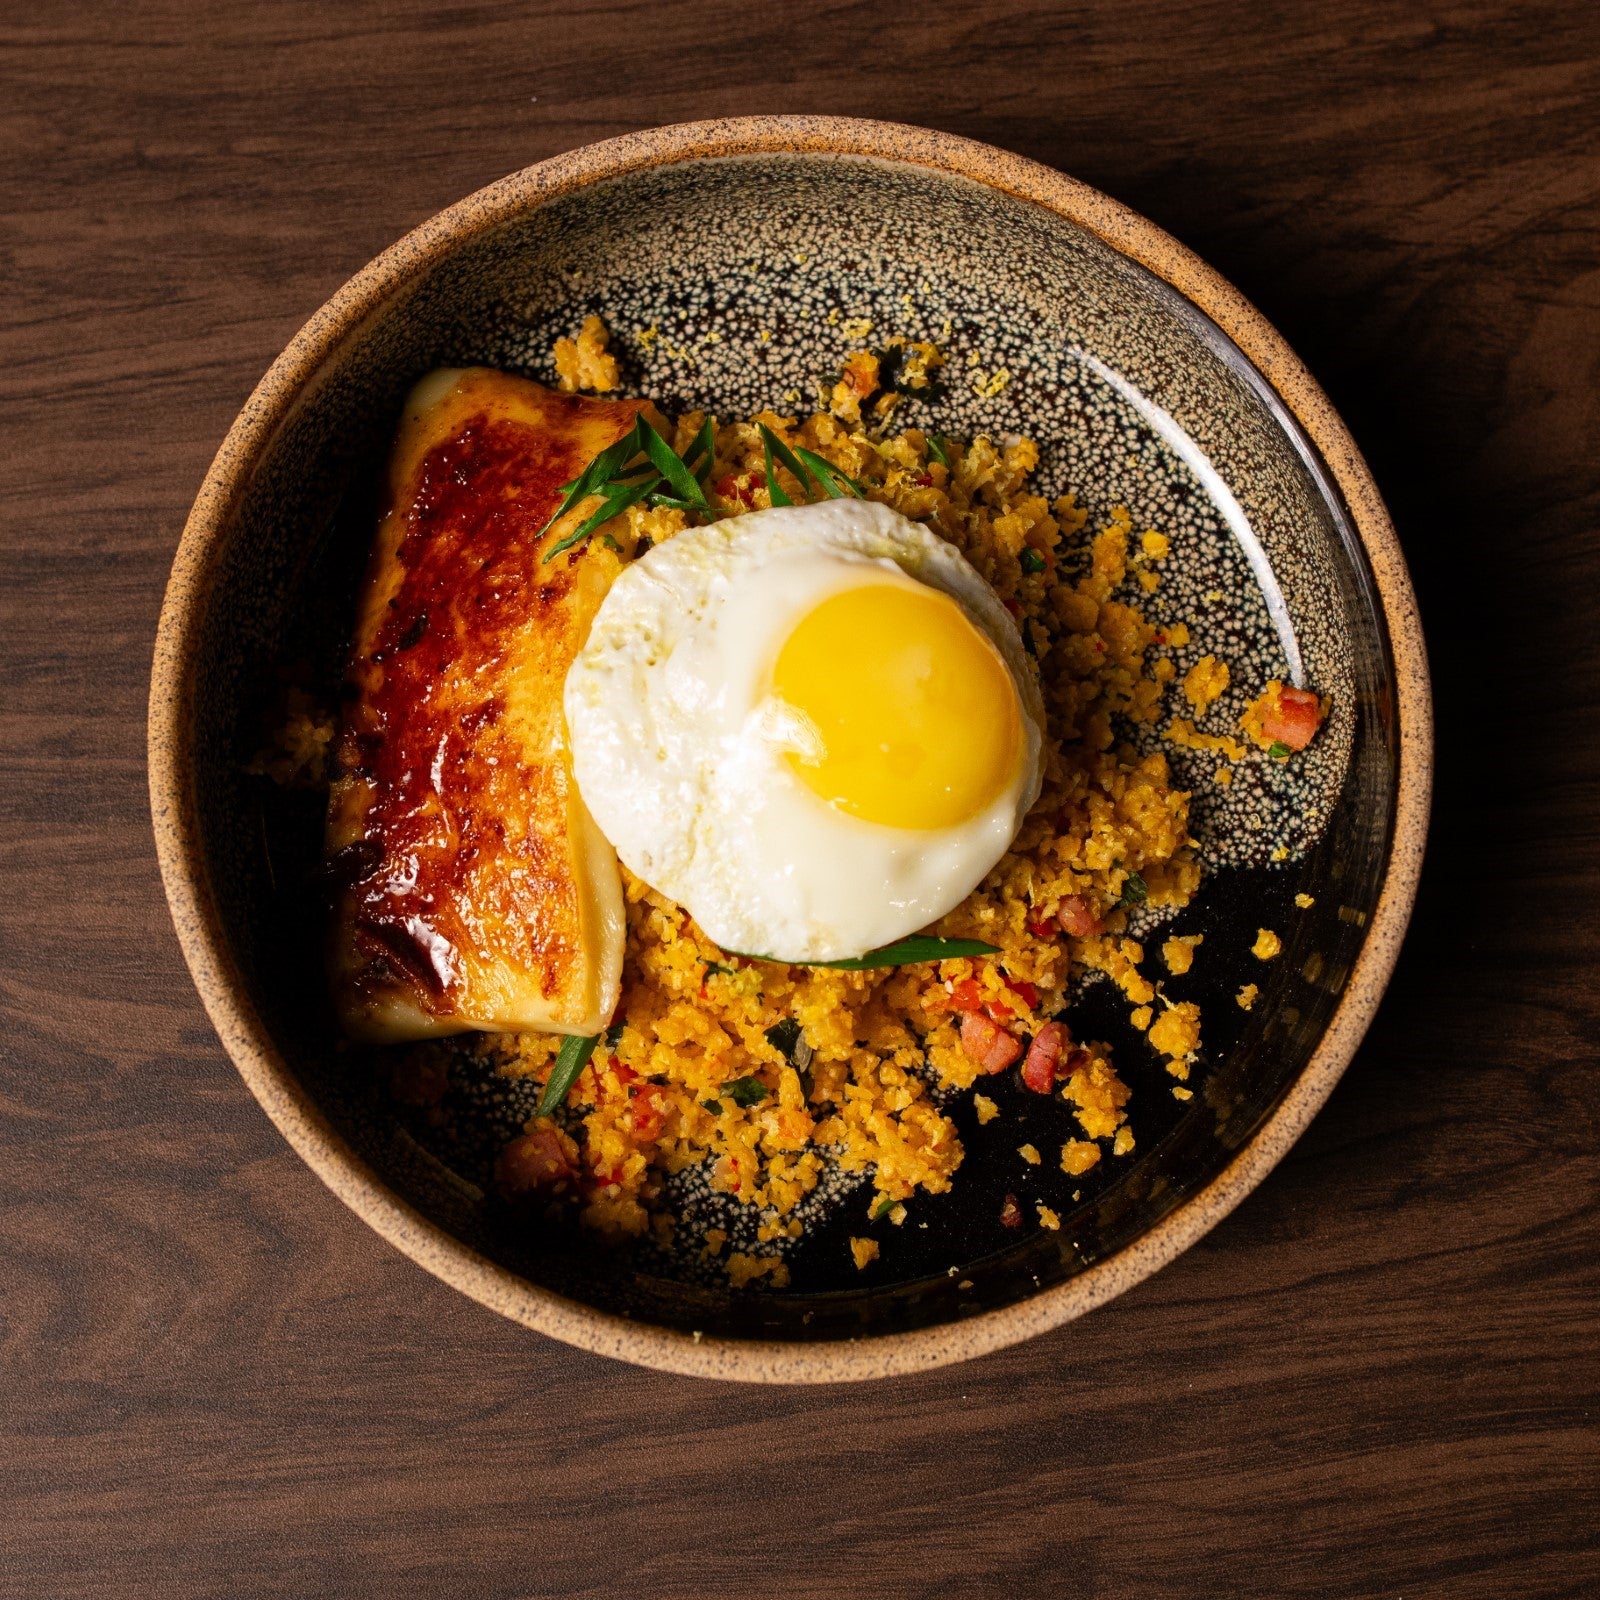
x: 1379, y: 1377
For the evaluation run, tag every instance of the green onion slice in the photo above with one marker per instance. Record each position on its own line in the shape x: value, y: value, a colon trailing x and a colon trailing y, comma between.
x: 902, y: 953
x: 704, y: 444
x: 570, y: 1061
x: 616, y: 498
x: 834, y: 483
x: 601, y: 470
x: 772, y: 446
x: 670, y: 465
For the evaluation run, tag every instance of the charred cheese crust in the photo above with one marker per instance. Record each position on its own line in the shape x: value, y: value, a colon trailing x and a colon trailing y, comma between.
x: 472, y: 888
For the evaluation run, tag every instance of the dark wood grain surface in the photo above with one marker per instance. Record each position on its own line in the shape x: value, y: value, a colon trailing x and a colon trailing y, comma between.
x: 1381, y: 1376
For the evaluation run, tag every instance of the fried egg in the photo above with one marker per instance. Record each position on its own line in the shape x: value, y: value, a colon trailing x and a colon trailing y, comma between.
x: 813, y: 727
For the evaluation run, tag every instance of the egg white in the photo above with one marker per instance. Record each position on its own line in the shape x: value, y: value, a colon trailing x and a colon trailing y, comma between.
x: 679, y: 748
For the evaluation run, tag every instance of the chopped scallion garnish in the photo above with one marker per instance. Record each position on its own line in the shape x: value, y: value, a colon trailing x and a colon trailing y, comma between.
x: 570, y: 1061
x: 902, y: 953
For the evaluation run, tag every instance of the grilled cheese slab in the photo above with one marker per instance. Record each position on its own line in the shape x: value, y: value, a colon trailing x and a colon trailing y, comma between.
x: 472, y: 889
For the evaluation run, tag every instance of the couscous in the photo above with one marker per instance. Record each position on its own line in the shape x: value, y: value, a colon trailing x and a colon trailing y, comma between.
x: 769, y: 1075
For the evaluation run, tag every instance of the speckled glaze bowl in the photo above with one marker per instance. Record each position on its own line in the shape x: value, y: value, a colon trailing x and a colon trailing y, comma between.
x: 736, y: 263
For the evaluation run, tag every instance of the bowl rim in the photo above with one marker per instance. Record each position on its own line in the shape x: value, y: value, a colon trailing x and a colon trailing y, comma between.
x: 221, y: 985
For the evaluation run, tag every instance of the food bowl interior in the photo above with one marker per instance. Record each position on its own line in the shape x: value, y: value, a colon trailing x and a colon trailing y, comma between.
x: 736, y: 284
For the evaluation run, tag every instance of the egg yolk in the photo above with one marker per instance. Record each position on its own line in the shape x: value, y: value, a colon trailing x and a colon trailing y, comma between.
x: 910, y: 714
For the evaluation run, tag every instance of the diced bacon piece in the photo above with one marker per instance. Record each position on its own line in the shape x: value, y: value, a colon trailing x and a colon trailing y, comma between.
x: 728, y: 487
x: 1077, y: 917
x: 1044, y: 1054
x: 1294, y: 720
x: 988, y: 1044
x: 539, y: 1161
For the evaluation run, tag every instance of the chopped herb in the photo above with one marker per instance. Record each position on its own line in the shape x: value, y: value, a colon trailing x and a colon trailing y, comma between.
x: 1031, y: 560
x: 601, y: 470
x: 808, y: 469
x: 702, y: 451
x: 713, y: 1106
x: 570, y: 1061
x: 902, y: 953
x: 716, y: 968
x: 615, y: 498
x: 772, y: 446
x: 670, y: 465
x: 835, y: 484
x: 939, y: 447
x: 769, y: 442
x: 786, y: 1038
x: 1135, y: 891
x: 621, y: 480
x: 614, y: 1033
x: 746, y: 1092
x: 1278, y: 750
x: 883, y: 1208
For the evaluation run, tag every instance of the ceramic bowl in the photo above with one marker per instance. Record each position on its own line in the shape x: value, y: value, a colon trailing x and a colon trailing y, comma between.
x: 736, y: 262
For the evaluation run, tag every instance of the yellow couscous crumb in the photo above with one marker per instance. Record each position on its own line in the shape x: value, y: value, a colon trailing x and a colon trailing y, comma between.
x: 1141, y: 1017
x: 743, y: 1270
x: 697, y: 1019
x: 1097, y: 1094
x: 1183, y: 733
x: 1304, y: 901
x: 1176, y: 1032
x: 689, y: 1074
x: 1048, y: 1218
x: 1267, y: 944
x: 1123, y: 1142
x: 1205, y: 682
x: 1178, y: 953
x: 1029, y: 1154
x: 857, y: 382
x: 1078, y: 1155
x: 585, y: 362
x: 1246, y: 997
x: 1180, y: 1093
x: 864, y: 1251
